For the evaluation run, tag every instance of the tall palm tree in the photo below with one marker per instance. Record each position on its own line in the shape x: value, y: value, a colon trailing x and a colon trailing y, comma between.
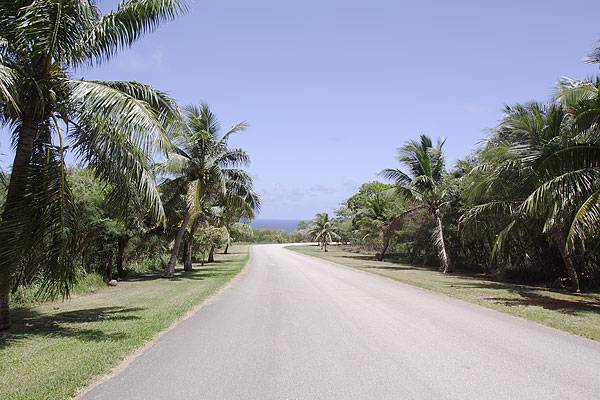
x: 205, y: 170
x: 423, y: 185
x: 112, y: 126
x: 322, y: 230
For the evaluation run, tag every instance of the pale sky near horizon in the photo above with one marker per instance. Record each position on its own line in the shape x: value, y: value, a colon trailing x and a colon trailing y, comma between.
x: 332, y: 88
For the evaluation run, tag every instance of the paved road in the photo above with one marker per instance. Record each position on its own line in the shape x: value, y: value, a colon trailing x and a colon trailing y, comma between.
x: 296, y: 327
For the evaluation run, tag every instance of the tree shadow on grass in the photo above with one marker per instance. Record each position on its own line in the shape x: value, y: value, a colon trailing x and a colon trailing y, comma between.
x: 398, y: 268
x: 399, y: 265
x: 28, y: 323
x: 531, y: 296
x: 199, y: 273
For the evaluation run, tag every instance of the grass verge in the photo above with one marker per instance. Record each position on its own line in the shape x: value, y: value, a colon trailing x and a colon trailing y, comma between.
x: 574, y: 313
x: 56, y: 348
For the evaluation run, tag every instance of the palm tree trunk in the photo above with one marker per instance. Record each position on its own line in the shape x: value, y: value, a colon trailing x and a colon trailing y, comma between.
x: 12, y: 206
x: 440, y: 244
x: 189, y: 246
x: 170, y: 268
x: 211, y: 254
x: 325, y: 246
x: 561, y: 240
x: 108, y: 271
x: 386, y: 244
x: 187, y: 254
x: 121, y: 246
x: 226, y: 248
x: 392, y: 227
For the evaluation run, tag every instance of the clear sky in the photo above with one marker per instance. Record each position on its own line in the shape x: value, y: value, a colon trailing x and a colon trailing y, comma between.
x: 332, y: 88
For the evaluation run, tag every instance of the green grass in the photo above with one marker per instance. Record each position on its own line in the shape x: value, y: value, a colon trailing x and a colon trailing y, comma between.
x: 575, y: 313
x: 56, y: 348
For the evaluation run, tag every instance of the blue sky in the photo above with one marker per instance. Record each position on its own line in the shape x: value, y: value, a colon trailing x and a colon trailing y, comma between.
x: 332, y: 88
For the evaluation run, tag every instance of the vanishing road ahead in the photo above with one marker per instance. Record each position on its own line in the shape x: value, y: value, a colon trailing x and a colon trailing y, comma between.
x: 295, y: 327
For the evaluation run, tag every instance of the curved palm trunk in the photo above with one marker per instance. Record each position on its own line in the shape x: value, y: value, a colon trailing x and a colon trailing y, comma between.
x: 440, y: 243
x: 389, y: 230
x: 226, y: 248
x: 560, y: 240
x: 170, y: 268
x: 11, y: 212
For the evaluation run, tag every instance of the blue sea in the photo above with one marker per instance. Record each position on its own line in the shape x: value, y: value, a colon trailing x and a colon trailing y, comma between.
x: 288, y: 225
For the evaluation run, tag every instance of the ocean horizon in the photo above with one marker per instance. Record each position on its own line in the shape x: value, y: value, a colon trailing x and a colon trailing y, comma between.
x: 288, y: 225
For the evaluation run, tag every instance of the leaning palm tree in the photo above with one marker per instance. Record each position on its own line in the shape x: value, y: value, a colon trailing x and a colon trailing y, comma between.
x: 111, y: 126
x: 322, y: 230
x: 422, y: 185
x: 204, y: 169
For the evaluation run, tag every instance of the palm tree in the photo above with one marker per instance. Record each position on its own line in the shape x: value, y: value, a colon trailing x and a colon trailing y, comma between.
x: 423, y: 185
x: 375, y: 214
x: 205, y: 170
x: 322, y: 230
x: 111, y: 126
x: 234, y: 211
x: 551, y: 153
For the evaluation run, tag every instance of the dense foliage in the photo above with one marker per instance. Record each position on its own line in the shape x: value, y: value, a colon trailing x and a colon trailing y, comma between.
x: 119, y: 210
x: 525, y: 206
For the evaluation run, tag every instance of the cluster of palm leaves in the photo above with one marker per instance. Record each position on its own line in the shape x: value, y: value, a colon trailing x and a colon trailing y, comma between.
x: 423, y: 186
x: 115, y: 129
x: 540, y: 174
x: 203, y: 174
x: 322, y: 230
x: 527, y: 201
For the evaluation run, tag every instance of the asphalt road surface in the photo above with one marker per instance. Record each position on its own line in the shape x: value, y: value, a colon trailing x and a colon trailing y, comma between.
x: 296, y: 327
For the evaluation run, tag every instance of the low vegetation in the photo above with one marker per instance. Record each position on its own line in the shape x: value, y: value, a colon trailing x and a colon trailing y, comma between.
x: 55, y: 348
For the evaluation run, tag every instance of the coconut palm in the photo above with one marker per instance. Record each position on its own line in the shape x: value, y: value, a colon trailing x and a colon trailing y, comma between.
x: 322, y: 230
x: 233, y: 211
x: 205, y: 170
x: 238, y: 200
x: 111, y: 126
x: 422, y: 185
x: 546, y: 177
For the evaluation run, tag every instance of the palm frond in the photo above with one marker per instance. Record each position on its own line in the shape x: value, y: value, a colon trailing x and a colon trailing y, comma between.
x: 586, y: 221
x: 119, y: 29
x: 134, y: 108
x: 116, y: 159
